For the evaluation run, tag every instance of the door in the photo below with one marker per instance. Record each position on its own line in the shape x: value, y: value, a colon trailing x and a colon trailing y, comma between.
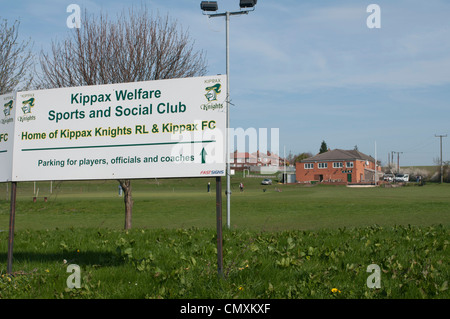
x: 349, y: 178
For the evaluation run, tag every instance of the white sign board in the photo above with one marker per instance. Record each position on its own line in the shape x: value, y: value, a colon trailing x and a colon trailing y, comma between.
x: 152, y: 129
x: 7, y: 105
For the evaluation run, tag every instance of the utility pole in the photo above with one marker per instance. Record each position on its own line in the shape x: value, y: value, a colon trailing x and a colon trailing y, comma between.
x: 442, y: 168
x: 392, y: 158
x: 375, y: 172
x: 398, y: 160
x: 285, y: 176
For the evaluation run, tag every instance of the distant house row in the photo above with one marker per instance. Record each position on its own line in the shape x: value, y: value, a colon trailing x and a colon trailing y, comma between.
x: 348, y: 166
x: 241, y: 160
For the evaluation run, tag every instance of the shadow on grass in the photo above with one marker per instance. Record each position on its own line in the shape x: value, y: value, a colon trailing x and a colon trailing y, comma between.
x: 86, y: 258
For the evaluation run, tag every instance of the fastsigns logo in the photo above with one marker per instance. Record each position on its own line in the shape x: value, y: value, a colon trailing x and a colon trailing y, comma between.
x: 212, y: 172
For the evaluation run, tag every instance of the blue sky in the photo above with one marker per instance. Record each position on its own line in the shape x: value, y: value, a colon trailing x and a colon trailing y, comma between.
x: 313, y: 69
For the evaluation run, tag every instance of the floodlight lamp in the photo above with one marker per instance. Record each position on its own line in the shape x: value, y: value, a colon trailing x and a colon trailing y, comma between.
x: 247, y: 3
x: 209, y: 6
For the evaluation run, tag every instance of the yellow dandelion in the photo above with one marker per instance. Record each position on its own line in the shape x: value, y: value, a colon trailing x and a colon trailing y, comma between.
x: 242, y: 268
x: 241, y: 288
x: 46, y: 270
x: 335, y: 290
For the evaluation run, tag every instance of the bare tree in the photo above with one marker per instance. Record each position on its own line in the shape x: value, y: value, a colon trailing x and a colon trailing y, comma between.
x: 16, y: 59
x: 300, y: 157
x: 134, y: 47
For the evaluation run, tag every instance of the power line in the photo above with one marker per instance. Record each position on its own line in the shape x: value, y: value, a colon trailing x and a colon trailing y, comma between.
x: 419, y: 146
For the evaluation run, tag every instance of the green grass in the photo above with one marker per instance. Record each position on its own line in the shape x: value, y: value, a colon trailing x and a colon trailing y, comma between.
x: 185, y: 203
x: 181, y: 263
x: 289, y: 241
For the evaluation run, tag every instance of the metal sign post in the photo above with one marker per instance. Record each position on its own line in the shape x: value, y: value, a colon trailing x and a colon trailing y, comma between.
x: 12, y: 217
x: 219, y: 225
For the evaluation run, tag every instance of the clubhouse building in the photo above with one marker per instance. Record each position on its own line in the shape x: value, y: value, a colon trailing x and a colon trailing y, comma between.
x: 337, y: 166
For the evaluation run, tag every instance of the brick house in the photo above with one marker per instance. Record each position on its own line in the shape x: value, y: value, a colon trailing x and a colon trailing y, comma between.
x: 267, y: 159
x: 240, y: 160
x: 338, y: 166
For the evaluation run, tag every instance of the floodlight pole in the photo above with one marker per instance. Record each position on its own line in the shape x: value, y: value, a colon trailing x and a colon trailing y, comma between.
x: 227, y: 23
x: 227, y: 27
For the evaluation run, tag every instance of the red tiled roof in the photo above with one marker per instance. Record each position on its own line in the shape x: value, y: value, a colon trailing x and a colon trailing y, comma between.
x: 339, y: 155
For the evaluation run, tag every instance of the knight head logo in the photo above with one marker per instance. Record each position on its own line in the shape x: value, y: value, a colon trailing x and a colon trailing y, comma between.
x: 212, y: 92
x: 8, y: 107
x: 27, y: 105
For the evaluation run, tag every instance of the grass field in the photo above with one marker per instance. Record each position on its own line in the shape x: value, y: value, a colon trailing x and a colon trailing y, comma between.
x: 285, y: 241
x: 185, y: 203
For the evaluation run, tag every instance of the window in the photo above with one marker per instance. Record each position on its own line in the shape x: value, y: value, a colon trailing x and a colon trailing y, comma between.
x: 338, y: 165
x: 323, y: 165
x: 309, y: 165
x: 349, y: 164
